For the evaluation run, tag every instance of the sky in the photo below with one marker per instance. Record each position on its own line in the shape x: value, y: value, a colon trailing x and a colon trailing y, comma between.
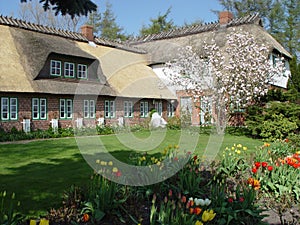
x: 131, y: 15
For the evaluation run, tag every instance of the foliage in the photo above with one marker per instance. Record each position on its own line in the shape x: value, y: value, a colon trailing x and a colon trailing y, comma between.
x: 280, y: 18
x: 108, y: 27
x: 104, y: 198
x: 278, y: 127
x: 94, y: 20
x: 158, y: 25
x: 276, y: 120
x: 277, y: 170
x: 77, y: 8
x: 232, y: 163
x: 237, y: 206
x: 70, y: 212
x: 8, y: 213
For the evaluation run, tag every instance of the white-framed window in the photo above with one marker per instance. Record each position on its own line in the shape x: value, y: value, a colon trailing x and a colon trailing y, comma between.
x: 89, y: 108
x: 158, y: 107
x: 9, y: 108
x: 144, y: 109
x: 55, y: 68
x: 82, y: 71
x: 171, y: 109
x: 39, y: 108
x: 128, y: 109
x: 109, y: 109
x: 69, y: 69
x: 66, y: 108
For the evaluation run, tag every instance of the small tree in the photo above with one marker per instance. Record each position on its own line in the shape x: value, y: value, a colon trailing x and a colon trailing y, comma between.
x: 236, y: 75
x: 159, y: 24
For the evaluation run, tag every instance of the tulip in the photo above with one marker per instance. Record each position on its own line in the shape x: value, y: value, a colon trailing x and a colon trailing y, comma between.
x: 208, y: 215
x: 198, y: 223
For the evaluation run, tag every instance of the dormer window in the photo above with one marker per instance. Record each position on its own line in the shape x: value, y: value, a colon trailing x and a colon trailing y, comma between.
x: 55, y: 68
x: 69, y: 69
x: 82, y: 71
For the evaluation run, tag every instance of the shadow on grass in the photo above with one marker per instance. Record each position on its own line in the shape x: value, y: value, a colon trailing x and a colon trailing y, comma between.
x: 39, y: 186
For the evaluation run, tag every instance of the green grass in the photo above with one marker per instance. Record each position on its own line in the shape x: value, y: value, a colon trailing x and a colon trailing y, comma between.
x: 40, y: 171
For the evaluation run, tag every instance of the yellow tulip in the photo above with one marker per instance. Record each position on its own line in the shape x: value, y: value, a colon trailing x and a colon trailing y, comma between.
x: 32, y: 222
x: 208, y: 215
x: 44, y: 222
x: 198, y: 223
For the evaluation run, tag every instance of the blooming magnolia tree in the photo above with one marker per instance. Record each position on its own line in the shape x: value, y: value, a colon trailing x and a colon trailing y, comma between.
x: 234, y: 76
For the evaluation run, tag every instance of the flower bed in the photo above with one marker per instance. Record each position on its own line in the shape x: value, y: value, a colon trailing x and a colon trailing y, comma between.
x: 236, y: 189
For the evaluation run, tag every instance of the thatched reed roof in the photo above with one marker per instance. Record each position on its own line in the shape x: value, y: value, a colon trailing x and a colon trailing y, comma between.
x: 164, y: 46
x: 25, y: 48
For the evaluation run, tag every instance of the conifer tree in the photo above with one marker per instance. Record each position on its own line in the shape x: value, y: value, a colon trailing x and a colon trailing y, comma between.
x: 158, y: 25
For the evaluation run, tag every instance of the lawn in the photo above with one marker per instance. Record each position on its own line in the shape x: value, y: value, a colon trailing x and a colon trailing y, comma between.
x: 39, y: 171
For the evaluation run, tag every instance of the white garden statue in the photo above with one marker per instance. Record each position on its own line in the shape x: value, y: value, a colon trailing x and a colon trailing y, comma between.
x: 157, y: 121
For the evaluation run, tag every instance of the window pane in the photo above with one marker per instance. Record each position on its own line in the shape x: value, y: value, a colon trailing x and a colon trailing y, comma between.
x: 82, y: 71
x: 69, y: 69
x: 106, y: 109
x: 4, y: 108
x: 69, y: 108
x: 112, y: 108
x: 55, y: 68
x: 62, y: 108
x: 92, y: 109
x: 13, y: 109
x: 43, y: 109
x: 86, y: 108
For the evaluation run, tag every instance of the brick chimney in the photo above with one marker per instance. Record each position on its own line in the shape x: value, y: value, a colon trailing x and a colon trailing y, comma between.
x: 225, y: 17
x: 87, y: 31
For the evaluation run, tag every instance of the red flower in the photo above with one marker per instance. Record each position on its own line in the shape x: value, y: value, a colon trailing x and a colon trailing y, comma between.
x: 270, y: 168
x: 230, y: 200
x: 286, y: 140
x: 197, y: 210
x: 170, y: 193
x: 176, y: 158
x: 118, y: 174
x: 85, y: 217
x: 241, y: 199
x: 183, y: 199
x: 264, y: 164
x: 254, y: 170
x: 195, y: 157
x: 257, y: 164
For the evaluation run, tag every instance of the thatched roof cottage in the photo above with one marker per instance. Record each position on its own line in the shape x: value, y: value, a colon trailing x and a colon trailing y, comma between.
x: 51, y: 77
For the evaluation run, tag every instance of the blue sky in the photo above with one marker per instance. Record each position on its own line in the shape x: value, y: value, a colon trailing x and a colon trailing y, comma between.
x: 132, y: 14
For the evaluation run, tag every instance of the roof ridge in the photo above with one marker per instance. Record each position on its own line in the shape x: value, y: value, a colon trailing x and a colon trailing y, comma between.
x: 195, y: 28
x: 14, y: 22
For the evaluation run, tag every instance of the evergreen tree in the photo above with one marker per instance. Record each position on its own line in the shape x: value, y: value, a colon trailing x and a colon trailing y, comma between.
x: 281, y: 18
x: 294, y: 82
x: 108, y: 27
x: 158, y: 25
x: 69, y: 7
x: 94, y: 19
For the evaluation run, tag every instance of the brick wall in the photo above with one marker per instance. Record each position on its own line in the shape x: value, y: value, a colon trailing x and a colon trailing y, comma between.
x: 25, y: 111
